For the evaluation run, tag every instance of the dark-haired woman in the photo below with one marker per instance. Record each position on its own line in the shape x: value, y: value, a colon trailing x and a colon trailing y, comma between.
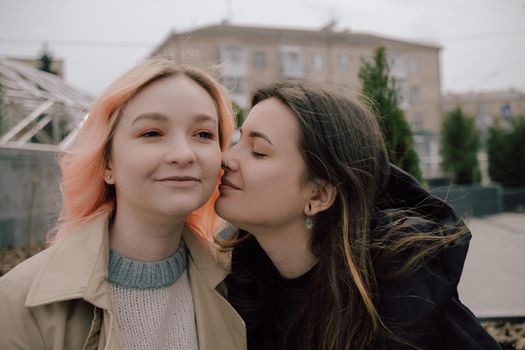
x: 336, y: 248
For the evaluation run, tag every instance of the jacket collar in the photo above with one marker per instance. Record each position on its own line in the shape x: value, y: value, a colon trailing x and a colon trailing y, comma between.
x: 212, y: 264
x: 77, y: 267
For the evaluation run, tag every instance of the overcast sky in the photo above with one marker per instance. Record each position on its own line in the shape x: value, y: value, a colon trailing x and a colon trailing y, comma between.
x: 483, y: 41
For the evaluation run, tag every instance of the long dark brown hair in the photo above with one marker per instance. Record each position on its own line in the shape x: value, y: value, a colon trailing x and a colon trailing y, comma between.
x: 340, y: 142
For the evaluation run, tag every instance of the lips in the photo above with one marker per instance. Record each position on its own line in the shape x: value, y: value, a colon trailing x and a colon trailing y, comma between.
x: 226, y: 182
x: 179, y: 181
x: 179, y: 178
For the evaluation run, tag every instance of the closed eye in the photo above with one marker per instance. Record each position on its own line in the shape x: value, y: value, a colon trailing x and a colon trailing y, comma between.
x: 258, y: 155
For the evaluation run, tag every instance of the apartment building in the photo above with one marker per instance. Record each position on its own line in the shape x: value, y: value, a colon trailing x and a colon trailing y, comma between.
x: 244, y: 58
x: 488, y: 107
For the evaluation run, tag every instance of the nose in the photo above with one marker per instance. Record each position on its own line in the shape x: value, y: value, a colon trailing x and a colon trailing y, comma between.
x: 229, y: 160
x: 180, y: 151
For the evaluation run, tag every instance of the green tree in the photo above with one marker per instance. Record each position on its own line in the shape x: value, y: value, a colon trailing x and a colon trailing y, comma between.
x: 506, y: 151
x: 239, y: 114
x: 381, y: 93
x: 45, y: 61
x: 460, y: 143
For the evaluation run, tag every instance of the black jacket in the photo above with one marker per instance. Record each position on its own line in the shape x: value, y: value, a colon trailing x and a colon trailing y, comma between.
x: 423, y: 307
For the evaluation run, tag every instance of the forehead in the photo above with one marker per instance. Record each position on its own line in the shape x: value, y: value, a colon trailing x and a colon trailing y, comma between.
x: 176, y: 94
x: 275, y: 119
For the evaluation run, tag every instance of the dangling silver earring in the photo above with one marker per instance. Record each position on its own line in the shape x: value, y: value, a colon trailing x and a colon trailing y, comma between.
x: 108, y: 177
x: 308, y: 223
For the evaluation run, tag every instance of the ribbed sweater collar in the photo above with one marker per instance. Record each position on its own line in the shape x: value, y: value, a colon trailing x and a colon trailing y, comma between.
x: 129, y: 273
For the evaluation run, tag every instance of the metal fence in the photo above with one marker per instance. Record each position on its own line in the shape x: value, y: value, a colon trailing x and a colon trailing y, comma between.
x: 29, y: 195
x: 479, y: 200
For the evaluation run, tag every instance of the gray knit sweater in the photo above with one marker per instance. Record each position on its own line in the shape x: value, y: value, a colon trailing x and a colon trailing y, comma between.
x: 153, y: 301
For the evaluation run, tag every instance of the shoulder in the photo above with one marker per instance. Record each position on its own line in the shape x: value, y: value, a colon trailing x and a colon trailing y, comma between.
x: 206, y: 262
x: 18, y: 324
x: 203, y: 251
x: 17, y: 282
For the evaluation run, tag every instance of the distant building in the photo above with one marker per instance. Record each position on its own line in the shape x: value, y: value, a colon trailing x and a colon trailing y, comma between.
x: 244, y: 58
x: 488, y: 107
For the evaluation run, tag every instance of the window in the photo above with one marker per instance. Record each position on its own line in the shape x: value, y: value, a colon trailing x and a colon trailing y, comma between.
x: 417, y: 121
x: 397, y: 65
x: 292, y: 62
x: 415, y: 94
x: 506, y: 111
x: 343, y: 61
x: 404, y: 97
x: 259, y: 60
x: 233, y: 62
x: 316, y: 61
x: 232, y: 55
x: 414, y: 65
x: 235, y: 85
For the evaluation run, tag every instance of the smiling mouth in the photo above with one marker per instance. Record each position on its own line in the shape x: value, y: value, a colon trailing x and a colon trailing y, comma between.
x: 227, y: 183
x: 179, y: 181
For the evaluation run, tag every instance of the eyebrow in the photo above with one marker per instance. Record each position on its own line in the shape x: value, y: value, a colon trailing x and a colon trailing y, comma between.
x: 257, y: 134
x: 205, y: 118
x: 161, y: 117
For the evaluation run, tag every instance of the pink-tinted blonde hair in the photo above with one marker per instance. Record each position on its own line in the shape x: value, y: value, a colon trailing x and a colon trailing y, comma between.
x: 84, y: 192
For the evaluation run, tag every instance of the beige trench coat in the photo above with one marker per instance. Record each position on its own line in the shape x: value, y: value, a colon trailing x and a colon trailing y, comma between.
x: 60, y: 298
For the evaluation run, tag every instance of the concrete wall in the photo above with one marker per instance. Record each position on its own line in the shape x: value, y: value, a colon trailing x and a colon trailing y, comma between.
x: 29, y: 196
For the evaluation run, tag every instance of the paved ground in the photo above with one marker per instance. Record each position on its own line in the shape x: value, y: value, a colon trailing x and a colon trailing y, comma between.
x: 493, y: 281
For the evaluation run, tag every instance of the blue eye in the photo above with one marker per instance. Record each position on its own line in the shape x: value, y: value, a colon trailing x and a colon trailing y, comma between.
x: 151, y: 133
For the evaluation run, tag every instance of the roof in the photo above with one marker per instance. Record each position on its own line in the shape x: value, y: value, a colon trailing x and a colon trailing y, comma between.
x: 312, y: 35
x: 31, y: 97
x: 494, y: 95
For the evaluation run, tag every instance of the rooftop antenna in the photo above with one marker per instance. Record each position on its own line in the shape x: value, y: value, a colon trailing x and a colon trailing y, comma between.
x: 229, y: 11
x: 331, y: 24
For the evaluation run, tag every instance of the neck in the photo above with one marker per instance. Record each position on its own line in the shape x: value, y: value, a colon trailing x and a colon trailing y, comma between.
x: 145, y: 238
x: 288, y: 248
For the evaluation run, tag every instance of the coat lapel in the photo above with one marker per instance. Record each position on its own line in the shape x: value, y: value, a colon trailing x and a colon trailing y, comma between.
x: 76, y: 267
x: 219, y: 327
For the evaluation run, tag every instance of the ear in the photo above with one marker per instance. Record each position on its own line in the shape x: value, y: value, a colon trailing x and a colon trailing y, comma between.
x: 108, y: 175
x: 322, y: 196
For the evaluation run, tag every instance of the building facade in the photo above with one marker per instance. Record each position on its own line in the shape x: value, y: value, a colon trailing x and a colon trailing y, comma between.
x: 488, y: 107
x: 245, y: 58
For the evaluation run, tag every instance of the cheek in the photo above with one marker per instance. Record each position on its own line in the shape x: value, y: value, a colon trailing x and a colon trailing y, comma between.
x: 134, y: 161
x: 212, y: 159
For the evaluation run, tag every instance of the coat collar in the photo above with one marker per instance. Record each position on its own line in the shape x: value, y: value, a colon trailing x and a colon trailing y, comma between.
x: 77, y: 267
x: 211, y: 263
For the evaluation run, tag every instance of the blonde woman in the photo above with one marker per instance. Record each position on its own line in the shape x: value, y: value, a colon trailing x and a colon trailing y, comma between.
x: 131, y: 265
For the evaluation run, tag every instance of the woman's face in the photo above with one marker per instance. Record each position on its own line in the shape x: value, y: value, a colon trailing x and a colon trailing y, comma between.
x: 165, y: 157
x: 262, y: 185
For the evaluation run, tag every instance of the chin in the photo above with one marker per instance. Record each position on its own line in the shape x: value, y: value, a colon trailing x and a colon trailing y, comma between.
x: 181, y: 210
x: 223, y: 209
x: 232, y: 216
